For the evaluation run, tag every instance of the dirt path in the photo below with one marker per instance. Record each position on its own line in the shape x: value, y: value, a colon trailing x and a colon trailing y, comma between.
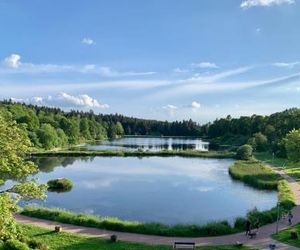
x: 262, y: 240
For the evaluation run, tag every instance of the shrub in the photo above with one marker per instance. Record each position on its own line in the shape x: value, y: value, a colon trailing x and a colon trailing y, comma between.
x: 60, y: 185
x: 15, y: 245
x: 113, y: 238
x: 35, y: 244
x: 244, y: 152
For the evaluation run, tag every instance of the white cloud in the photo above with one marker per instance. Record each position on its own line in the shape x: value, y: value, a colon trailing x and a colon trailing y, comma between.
x: 13, y: 65
x: 179, y: 70
x: 258, y: 30
x: 285, y: 64
x: 264, y: 3
x: 64, y: 100
x: 204, y: 65
x: 12, y: 61
x: 170, y: 107
x: 195, y: 105
x: 88, y: 41
x: 108, y: 72
x: 81, y: 101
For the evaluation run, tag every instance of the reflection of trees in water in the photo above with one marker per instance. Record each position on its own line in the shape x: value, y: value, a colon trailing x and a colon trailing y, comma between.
x: 47, y: 164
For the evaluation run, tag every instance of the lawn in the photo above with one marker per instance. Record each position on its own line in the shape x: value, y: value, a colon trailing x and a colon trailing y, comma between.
x: 284, y: 236
x: 66, y: 241
x: 291, y: 168
x: 255, y: 174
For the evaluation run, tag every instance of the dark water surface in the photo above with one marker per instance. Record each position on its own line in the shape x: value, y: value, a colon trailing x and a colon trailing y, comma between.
x: 161, y: 189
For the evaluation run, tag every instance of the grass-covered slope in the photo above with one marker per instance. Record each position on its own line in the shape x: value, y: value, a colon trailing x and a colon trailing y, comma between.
x: 284, y: 236
x: 255, y: 174
x: 64, y: 216
x: 67, y: 241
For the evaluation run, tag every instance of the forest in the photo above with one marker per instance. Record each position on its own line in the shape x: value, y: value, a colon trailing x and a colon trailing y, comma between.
x: 49, y: 127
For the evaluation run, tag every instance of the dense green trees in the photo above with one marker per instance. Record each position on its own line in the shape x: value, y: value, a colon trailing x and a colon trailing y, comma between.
x: 263, y: 132
x: 14, y: 145
x: 292, y: 145
x: 244, y: 152
x: 51, y: 127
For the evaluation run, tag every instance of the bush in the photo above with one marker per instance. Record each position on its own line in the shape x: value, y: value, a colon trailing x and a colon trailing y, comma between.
x: 60, y: 185
x: 35, y: 244
x: 15, y: 245
x: 113, y: 238
x: 244, y: 152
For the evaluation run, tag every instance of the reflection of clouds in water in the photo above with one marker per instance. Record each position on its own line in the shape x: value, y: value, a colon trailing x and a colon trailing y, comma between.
x: 98, y: 183
x: 89, y: 211
x: 192, y: 168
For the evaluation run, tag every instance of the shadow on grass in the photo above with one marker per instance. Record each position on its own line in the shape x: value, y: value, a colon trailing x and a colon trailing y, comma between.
x: 46, y: 233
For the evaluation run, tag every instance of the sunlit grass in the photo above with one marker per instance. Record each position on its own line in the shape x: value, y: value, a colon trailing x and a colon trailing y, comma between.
x: 67, y: 241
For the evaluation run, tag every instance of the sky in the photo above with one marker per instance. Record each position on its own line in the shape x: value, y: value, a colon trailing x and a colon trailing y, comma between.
x: 158, y: 59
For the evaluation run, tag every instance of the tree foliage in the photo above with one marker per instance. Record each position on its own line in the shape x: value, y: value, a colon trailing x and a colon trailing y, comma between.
x: 244, y: 152
x: 14, y: 145
x: 292, y: 145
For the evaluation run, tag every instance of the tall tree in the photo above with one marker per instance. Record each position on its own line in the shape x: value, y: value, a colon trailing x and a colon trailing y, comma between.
x: 14, y: 145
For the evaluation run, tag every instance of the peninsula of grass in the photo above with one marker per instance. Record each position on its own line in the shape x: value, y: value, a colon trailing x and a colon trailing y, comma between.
x: 285, y: 236
x: 255, y: 174
x: 138, y: 153
x: 66, y: 241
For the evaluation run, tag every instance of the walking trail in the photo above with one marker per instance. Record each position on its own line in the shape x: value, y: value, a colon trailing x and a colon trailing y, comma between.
x: 262, y: 240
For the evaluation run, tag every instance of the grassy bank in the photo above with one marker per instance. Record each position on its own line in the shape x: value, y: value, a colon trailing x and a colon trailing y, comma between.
x: 255, y: 174
x: 64, y: 216
x: 284, y: 236
x: 166, y: 153
x: 291, y: 168
x: 67, y: 241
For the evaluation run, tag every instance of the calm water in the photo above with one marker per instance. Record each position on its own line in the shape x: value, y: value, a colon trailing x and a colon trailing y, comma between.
x: 162, y: 189
x: 150, y: 143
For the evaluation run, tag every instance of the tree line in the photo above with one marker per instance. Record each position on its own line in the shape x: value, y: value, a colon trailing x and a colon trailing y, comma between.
x: 52, y: 127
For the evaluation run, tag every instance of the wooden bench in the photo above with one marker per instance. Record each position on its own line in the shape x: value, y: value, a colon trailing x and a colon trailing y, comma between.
x: 184, y: 245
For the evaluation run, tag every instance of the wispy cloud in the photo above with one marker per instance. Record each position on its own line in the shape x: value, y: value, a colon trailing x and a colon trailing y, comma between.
x: 13, y: 65
x: 264, y: 3
x: 88, y: 41
x: 65, y: 100
x: 286, y: 64
x: 204, y: 65
x: 180, y: 70
x: 218, y: 76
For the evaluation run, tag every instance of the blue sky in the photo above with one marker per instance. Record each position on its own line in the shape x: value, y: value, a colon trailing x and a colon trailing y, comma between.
x: 161, y: 59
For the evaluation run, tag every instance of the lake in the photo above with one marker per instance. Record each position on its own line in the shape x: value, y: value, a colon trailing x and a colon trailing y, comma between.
x: 169, y: 190
x: 149, y: 143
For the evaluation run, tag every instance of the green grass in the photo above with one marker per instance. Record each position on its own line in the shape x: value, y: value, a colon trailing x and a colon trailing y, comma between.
x: 291, y: 168
x: 258, y: 175
x: 284, y: 236
x: 67, y: 241
x: 255, y: 174
x: 166, y: 153
x: 64, y: 216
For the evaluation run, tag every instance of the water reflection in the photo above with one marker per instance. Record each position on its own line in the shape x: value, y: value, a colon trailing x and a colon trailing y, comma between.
x: 151, y: 144
x: 163, y: 189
